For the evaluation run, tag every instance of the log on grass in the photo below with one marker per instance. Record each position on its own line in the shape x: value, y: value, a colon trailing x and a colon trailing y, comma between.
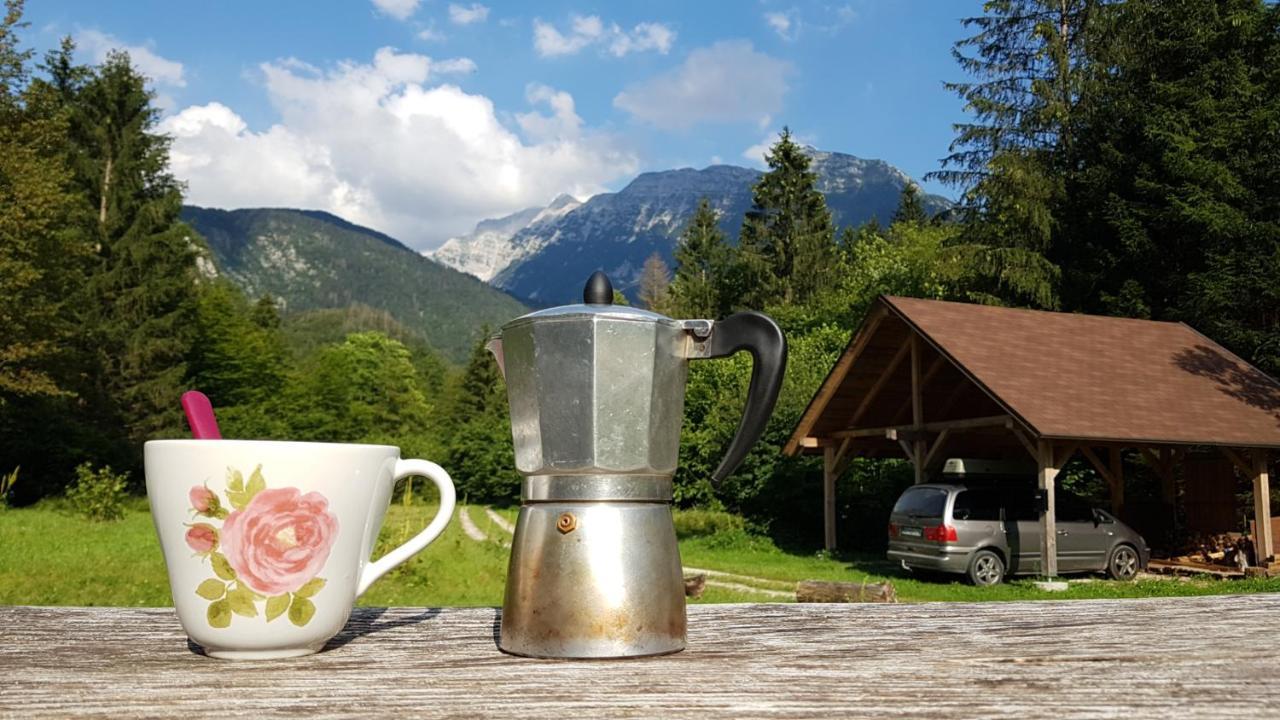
x: 819, y: 591
x: 694, y: 585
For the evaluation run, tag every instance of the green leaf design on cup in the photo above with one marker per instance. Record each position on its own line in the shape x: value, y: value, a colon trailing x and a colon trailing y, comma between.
x: 211, y: 589
x: 241, y: 601
x: 311, y: 588
x: 276, y: 606
x: 219, y: 614
x: 221, y: 567
x: 301, y: 610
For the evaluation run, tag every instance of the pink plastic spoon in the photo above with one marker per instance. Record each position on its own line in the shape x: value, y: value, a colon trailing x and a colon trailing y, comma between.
x: 204, y: 426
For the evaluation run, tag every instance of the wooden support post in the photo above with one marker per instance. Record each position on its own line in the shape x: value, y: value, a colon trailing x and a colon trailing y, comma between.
x: 1263, y: 542
x: 1048, y: 519
x: 1161, y: 460
x: 1117, y: 481
x: 829, y: 497
x: 917, y: 410
x: 938, y: 363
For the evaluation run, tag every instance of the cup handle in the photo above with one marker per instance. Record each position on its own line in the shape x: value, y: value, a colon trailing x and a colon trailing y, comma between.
x: 437, y: 475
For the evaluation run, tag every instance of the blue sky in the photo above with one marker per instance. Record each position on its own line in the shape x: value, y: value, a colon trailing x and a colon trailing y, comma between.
x: 421, y: 117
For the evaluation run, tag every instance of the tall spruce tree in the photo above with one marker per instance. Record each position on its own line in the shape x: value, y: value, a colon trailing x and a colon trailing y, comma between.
x: 703, y: 258
x: 1030, y: 62
x: 144, y: 283
x: 787, y: 243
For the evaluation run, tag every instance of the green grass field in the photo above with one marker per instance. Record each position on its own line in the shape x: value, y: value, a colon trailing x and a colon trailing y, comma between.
x: 49, y: 556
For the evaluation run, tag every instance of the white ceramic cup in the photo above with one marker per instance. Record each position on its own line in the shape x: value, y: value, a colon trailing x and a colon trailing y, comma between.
x: 268, y: 543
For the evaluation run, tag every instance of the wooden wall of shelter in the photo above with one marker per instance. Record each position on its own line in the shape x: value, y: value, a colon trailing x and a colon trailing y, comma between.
x: 931, y: 379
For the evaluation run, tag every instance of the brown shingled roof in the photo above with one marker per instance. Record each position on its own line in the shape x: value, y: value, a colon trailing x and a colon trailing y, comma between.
x: 1068, y: 376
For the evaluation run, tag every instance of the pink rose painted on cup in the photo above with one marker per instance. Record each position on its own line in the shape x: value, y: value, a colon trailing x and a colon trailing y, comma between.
x: 280, y: 540
x: 202, y: 499
x: 202, y: 537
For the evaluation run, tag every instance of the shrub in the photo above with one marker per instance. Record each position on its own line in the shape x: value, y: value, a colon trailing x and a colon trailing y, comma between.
x: 98, y: 494
x: 6, y: 485
x: 700, y: 523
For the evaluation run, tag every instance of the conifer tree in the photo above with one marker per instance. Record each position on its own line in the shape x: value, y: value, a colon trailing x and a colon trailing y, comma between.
x: 655, y: 281
x: 144, y: 283
x: 1030, y: 66
x: 1174, y: 182
x: 703, y: 258
x: 910, y: 208
x: 787, y: 242
x: 42, y: 252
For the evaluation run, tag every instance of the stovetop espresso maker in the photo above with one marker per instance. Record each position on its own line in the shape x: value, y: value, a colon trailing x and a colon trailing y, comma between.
x: 596, y: 394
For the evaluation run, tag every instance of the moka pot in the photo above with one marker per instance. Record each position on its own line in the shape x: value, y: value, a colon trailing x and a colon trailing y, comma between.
x: 596, y: 395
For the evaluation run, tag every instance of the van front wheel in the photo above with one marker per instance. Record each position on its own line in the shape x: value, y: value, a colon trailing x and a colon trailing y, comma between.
x: 1123, y: 563
x: 986, y: 568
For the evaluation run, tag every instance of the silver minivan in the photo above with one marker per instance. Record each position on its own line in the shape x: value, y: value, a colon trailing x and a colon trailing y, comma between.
x: 987, y: 531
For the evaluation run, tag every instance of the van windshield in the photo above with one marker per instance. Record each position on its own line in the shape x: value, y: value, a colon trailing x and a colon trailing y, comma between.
x: 922, y: 502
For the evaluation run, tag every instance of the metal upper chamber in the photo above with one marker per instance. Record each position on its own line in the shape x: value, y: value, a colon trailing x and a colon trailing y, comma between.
x: 598, y: 389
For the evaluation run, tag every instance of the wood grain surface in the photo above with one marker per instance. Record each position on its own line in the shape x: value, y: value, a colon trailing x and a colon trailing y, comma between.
x: 1176, y: 657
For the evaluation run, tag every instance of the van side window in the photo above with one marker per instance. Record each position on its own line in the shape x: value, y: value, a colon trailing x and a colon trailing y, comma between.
x: 976, y: 505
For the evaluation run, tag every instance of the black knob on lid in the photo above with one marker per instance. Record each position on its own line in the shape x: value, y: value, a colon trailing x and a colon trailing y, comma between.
x: 599, y: 291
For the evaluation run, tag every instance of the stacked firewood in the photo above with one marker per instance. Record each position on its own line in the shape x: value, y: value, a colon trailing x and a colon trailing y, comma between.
x: 1231, y: 550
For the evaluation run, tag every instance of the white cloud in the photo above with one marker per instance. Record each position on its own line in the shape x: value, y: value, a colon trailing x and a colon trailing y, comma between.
x: 645, y: 36
x: 454, y: 66
x: 161, y: 71
x: 398, y: 9
x: 781, y: 23
x: 585, y: 31
x: 387, y: 145
x: 430, y: 33
x: 562, y: 123
x: 728, y: 82
x: 755, y: 153
x: 473, y: 13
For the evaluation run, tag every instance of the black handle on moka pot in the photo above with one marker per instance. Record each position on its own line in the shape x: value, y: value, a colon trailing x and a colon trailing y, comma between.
x: 759, y: 335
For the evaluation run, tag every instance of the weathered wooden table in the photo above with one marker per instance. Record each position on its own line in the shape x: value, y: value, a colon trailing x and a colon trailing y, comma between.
x: 1183, y: 657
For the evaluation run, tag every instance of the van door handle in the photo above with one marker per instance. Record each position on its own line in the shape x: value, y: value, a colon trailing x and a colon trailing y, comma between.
x: 1062, y: 532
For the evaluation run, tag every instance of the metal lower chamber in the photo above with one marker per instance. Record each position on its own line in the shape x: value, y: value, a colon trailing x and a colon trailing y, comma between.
x: 595, y: 579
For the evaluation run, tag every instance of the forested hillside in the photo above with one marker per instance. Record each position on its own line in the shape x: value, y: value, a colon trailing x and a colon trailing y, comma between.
x: 310, y: 260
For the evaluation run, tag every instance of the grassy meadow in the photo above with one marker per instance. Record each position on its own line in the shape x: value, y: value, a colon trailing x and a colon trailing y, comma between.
x: 50, y: 556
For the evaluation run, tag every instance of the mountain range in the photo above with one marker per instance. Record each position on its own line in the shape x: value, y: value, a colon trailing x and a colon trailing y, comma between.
x: 309, y: 259
x: 312, y: 260
x: 543, y: 255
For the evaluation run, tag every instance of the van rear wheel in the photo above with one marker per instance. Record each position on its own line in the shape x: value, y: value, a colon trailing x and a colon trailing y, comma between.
x: 986, y: 568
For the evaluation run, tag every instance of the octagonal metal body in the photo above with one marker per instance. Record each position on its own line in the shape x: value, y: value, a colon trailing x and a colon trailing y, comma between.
x: 595, y: 391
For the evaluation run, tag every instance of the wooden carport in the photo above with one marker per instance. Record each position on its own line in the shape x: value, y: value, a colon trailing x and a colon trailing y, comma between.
x: 925, y: 378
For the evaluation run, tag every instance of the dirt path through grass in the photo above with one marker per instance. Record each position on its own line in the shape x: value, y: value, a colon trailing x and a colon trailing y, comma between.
x: 468, y: 525
x: 500, y: 521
